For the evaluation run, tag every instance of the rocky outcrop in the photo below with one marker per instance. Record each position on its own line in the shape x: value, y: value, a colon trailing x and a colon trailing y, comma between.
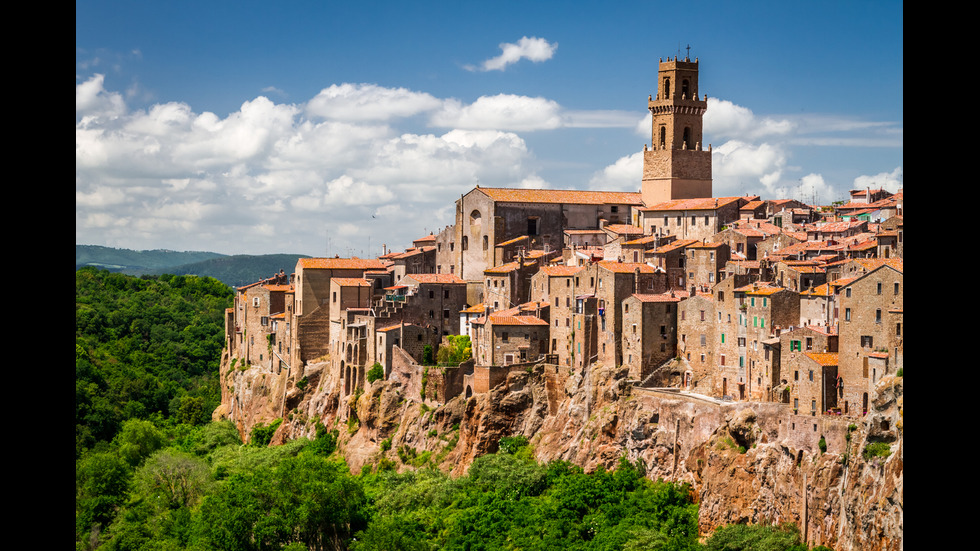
x: 746, y: 462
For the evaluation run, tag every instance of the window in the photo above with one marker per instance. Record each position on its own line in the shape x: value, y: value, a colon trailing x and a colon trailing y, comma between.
x: 795, y: 345
x: 432, y: 294
x: 466, y: 242
x: 878, y: 289
x: 896, y: 288
x: 722, y: 338
x: 847, y: 292
x: 486, y: 242
x: 898, y: 329
x: 255, y: 302
x: 878, y: 315
x: 532, y: 226
x: 702, y: 315
x: 847, y: 314
x: 704, y: 340
x: 722, y: 359
x: 811, y: 375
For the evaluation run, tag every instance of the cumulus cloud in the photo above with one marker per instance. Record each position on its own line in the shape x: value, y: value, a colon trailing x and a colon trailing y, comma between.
x: 889, y: 181
x: 369, y: 102
x: 272, y: 177
x: 739, y: 167
x: 500, y: 112
x: 625, y: 174
x: 533, y: 48
x: 725, y: 120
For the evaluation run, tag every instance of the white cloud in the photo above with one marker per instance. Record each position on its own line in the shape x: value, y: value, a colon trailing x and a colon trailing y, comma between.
x: 500, y: 112
x: 739, y: 167
x: 626, y: 174
x: 725, y: 120
x: 534, y: 49
x: 369, y: 102
x: 889, y: 181
x: 268, y: 179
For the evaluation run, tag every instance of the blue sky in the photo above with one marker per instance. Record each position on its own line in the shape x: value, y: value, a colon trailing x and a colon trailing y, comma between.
x: 320, y: 128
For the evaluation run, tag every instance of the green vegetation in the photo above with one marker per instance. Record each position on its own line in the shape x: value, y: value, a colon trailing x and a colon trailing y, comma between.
x: 376, y: 372
x: 262, y: 434
x: 876, y: 449
x: 457, y: 349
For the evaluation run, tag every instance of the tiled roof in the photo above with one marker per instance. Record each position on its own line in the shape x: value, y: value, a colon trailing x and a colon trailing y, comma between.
x: 351, y: 282
x: 429, y: 237
x: 707, y: 203
x: 509, y: 267
x: 824, y: 290
x: 763, y: 289
x: 752, y: 205
x: 285, y: 288
x: 560, y: 271
x: 679, y: 244
x: 706, y: 245
x: 475, y: 309
x: 626, y: 267
x: 584, y: 232
x: 517, y: 320
x: 512, y: 241
x: 627, y: 229
x: 824, y: 359
x: 567, y: 196
x: 341, y: 264
x: 642, y: 241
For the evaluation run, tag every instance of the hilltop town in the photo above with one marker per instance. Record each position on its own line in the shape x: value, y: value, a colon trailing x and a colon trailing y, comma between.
x: 738, y: 299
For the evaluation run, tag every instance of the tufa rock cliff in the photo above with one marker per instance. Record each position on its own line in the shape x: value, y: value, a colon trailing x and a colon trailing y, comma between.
x: 747, y: 462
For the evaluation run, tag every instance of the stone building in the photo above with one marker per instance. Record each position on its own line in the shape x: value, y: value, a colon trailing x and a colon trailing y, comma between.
x: 697, y: 336
x: 486, y: 217
x: 706, y: 263
x: 650, y: 334
x: 671, y: 259
x: 676, y: 166
x: 870, y: 327
x: 691, y: 218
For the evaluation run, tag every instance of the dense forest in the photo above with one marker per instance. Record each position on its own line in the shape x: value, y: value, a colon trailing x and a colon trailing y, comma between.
x: 152, y: 471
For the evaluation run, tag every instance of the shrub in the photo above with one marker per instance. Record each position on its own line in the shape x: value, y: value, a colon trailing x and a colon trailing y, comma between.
x: 376, y: 372
x: 876, y: 449
x: 301, y: 384
x: 386, y: 444
x: 261, y: 433
x: 511, y: 444
x: 823, y: 445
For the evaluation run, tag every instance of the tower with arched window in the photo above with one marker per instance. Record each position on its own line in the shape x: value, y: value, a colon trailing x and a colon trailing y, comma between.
x: 677, y: 165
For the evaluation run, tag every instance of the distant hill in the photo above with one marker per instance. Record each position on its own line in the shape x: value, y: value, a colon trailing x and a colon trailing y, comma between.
x: 234, y: 270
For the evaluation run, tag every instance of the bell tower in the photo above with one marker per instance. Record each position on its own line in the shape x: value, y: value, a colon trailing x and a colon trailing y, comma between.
x: 676, y: 166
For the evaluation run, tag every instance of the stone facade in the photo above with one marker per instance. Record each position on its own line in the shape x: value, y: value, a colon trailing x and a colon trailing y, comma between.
x: 676, y: 166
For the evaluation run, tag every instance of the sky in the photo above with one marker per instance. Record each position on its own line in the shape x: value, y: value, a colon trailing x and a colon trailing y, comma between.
x: 329, y: 128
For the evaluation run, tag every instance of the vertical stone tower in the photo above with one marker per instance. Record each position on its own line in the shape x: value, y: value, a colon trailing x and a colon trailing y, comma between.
x: 676, y: 166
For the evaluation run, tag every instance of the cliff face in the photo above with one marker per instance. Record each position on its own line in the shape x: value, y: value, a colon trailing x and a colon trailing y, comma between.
x: 749, y: 463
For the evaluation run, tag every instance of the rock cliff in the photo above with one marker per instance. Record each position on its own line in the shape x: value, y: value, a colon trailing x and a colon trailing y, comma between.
x: 746, y: 462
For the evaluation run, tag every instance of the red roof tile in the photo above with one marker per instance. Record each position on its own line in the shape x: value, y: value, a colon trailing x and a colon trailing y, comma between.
x: 567, y: 196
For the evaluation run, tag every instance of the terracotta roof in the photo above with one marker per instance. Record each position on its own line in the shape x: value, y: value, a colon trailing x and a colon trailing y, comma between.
x: 351, y: 282
x: 707, y: 203
x: 560, y: 271
x: 880, y: 355
x: 568, y: 196
x: 824, y: 290
x: 642, y: 240
x: 752, y: 205
x: 627, y: 229
x: 475, y: 309
x: 626, y: 267
x: 679, y: 244
x: 285, y: 288
x: 764, y: 289
x: 512, y: 241
x: 509, y: 267
x: 584, y: 232
x: 429, y: 237
x: 341, y: 264
x: 706, y: 245
x: 517, y: 320
x: 825, y: 359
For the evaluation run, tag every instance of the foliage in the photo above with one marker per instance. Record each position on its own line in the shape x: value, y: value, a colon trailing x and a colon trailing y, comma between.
x: 376, y: 372
x: 427, y: 355
x: 457, y: 349
x: 876, y: 449
x: 145, y: 348
x: 511, y: 444
x: 301, y: 384
x: 758, y: 537
x: 822, y: 444
x: 262, y: 434
x: 325, y: 442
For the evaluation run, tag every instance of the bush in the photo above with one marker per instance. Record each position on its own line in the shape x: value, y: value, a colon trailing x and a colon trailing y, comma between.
x: 261, y: 434
x: 823, y: 445
x: 511, y: 444
x: 876, y: 449
x: 376, y: 372
x: 301, y: 384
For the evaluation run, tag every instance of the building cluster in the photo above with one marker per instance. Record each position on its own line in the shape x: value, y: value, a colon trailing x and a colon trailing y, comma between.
x: 739, y: 298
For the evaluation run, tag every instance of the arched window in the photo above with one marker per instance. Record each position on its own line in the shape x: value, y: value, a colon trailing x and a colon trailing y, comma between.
x: 666, y: 88
x: 685, y: 89
x: 663, y: 137
x: 687, y: 138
